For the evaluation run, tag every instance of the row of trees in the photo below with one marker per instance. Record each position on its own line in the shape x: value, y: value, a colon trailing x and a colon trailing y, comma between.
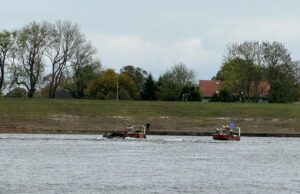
x: 248, y: 64
x: 132, y: 83
x: 41, y: 58
x: 61, y: 50
x: 135, y: 83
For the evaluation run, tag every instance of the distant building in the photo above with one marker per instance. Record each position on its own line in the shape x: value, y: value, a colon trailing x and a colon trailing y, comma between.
x: 208, y: 88
x: 261, y: 90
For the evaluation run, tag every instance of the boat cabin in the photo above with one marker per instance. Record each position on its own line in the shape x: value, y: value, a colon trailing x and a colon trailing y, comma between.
x: 136, y: 131
x: 227, y: 133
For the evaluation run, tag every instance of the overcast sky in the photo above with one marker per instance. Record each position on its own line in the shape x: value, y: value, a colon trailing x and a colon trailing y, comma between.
x: 156, y: 34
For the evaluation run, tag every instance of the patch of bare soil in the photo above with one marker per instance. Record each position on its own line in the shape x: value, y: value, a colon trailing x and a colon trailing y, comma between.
x: 94, y: 125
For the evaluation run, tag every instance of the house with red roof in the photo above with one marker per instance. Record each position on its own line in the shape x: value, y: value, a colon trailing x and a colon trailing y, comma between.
x: 262, y: 89
x: 209, y: 87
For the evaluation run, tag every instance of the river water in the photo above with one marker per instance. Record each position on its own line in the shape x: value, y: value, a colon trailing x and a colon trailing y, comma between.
x: 160, y: 164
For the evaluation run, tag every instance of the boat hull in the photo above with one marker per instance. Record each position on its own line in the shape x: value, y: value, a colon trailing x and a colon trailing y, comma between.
x: 136, y: 135
x: 132, y: 131
x: 225, y: 137
x: 123, y: 135
x: 115, y: 134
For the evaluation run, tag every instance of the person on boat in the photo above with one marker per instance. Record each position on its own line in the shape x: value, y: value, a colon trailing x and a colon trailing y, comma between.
x: 226, y: 130
x: 223, y: 128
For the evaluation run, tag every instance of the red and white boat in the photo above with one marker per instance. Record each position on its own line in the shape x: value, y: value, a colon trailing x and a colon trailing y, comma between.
x: 132, y: 131
x: 135, y: 131
x: 227, y: 133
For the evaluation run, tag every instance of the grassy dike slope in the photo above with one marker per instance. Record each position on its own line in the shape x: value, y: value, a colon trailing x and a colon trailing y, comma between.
x: 94, y: 116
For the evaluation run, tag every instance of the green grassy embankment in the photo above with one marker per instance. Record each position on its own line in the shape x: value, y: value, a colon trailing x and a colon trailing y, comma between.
x: 94, y: 116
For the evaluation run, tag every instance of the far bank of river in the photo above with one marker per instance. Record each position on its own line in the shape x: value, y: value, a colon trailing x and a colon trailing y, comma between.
x: 46, y: 116
x: 209, y: 134
x: 159, y: 126
x: 168, y: 133
x: 196, y: 126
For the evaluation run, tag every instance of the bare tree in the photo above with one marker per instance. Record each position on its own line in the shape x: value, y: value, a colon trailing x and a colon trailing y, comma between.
x: 66, y: 40
x: 181, y: 75
x: 83, y: 57
x: 7, y: 40
x: 248, y: 50
x: 32, y: 41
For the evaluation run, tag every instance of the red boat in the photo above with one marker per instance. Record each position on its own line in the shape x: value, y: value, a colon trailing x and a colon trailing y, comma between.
x: 135, y: 131
x: 132, y: 131
x: 226, y: 133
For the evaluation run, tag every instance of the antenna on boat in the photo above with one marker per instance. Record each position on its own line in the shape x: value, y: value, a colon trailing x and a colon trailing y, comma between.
x: 147, y: 128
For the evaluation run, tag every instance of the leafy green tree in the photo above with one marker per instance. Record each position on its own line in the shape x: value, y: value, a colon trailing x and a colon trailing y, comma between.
x: 7, y: 40
x: 172, y: 82
x: 138, y: 75
x: 215, y: 98
x: 274, y: 64
x: 77, y: 84
x: 190, y: 93
x: 149, y: 89
x: 297, y: 70
x: 238, y: 75
x: 276, y: 94
x: 81, y: 75
x: 167, y: 89
x: 280, y: 72
x: 126, y: 84
x: 105, y: 86
x: 224, y: 95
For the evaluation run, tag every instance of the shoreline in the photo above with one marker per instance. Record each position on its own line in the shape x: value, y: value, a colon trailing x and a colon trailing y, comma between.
x: 45, y: 116
x: 162, y: 133
x: 210, y: 134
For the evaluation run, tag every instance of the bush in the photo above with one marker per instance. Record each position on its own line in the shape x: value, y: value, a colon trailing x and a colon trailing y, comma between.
x: 17, y: 93
x: 190, y: 93
x: 224, y: 96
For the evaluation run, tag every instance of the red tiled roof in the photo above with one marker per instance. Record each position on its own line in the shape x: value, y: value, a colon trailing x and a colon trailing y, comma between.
x: 209, y: 87
x: 263, y: 89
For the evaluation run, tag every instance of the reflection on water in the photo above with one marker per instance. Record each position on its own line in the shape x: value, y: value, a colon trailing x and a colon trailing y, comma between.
x: 158, y: 164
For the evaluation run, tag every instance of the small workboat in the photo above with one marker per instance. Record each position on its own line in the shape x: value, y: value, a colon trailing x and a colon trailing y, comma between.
x: 131, y: 131
x: 228, y: 133
x: 135, y: 131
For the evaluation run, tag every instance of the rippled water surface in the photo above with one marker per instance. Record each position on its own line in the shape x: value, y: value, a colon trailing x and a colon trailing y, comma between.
x: 159, y: 164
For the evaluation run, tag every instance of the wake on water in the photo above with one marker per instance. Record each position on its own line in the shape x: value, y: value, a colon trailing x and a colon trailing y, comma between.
x: 60, y: 137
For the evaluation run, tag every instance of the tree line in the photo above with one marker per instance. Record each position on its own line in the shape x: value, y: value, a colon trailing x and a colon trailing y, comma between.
x: 250, y: 63
x: 41, y: 58
x: 59, y: 48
